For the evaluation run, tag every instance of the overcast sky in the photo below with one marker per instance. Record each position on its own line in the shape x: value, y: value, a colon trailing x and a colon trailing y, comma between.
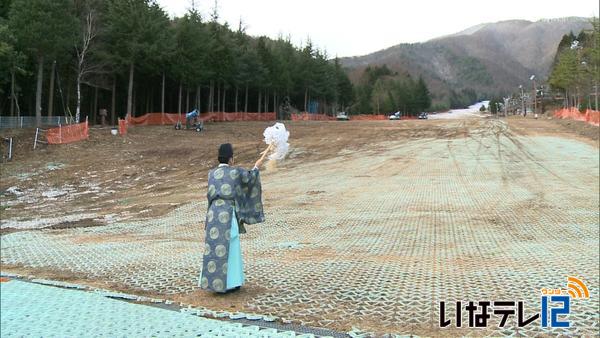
x: 349, y: 28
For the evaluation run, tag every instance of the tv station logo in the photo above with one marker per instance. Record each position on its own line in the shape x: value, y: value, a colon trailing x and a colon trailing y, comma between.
x: 555, y: 306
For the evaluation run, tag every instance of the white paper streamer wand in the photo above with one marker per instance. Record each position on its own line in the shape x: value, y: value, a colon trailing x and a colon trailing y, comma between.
x: 276, y: 137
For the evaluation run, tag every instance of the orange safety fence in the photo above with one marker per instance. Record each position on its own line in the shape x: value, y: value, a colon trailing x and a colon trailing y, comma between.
x: 589, y: 116
x: 230, y: 117
x: 67, y: 134
x: 122, y: 127
x: 155, y: 119
x: 168, y: 118
x: 366, y: 117
x: 312, y: 117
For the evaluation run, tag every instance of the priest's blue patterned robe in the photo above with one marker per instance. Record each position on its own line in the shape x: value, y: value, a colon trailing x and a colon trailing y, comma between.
x: 234, y: 199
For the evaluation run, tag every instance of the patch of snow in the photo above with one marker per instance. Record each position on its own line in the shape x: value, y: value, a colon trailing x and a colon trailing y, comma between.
x: 26, y: 176
x: 471, y: 111
x: 52, y: 193
x: 10, y: 203
x: 109, y: 218
x: 15, y: 191
x: 54, y: 166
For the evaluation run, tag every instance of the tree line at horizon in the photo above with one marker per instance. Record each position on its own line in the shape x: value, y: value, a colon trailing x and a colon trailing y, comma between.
x: 127, y: 56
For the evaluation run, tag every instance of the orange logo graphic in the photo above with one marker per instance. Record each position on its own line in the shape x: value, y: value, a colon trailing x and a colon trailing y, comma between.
x: 576, y: 288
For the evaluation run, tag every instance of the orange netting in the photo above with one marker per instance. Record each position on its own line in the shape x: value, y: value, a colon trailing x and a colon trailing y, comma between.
x: 230, y: 117
x: 122, y: 127
x: 155, y: 119
x: 365, y: 117
x: 590, y: 116
x: 312, y: 117
x: 68, y: 134
x: 166, y: 118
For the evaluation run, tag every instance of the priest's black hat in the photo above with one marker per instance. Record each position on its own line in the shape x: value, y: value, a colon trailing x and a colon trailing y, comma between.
x: 225, y: 152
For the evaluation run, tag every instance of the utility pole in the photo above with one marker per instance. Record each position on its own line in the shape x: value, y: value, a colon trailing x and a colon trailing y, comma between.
x: 542, y: 99
x: 534, y: 98
x: 522, y: 101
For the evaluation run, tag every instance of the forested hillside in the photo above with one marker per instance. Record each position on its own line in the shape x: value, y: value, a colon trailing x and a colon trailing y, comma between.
x: 382, y: 91
x: 127, y: 56
x: 576, y: 67
x: 481, y: 62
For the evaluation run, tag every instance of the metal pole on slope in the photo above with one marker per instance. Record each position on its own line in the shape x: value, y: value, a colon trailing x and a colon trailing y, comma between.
x: 522, y: 100
x: 534, y: 97
x: 36, y: 136
x: 10, y: 145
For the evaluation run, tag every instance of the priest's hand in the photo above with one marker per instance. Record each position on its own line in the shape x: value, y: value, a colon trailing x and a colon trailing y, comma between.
x: 262, y: 158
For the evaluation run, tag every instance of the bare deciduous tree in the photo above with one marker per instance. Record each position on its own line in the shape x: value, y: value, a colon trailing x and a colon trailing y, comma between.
x: 85, y: 68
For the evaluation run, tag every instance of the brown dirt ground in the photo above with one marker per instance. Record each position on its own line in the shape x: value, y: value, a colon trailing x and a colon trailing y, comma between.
x: 154, y: 169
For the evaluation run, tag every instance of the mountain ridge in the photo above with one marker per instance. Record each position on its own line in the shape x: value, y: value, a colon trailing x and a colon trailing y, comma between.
x: 489, y: 58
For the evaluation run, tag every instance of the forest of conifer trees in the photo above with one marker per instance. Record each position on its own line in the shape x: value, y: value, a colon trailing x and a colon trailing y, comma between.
x: 73, y: 57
